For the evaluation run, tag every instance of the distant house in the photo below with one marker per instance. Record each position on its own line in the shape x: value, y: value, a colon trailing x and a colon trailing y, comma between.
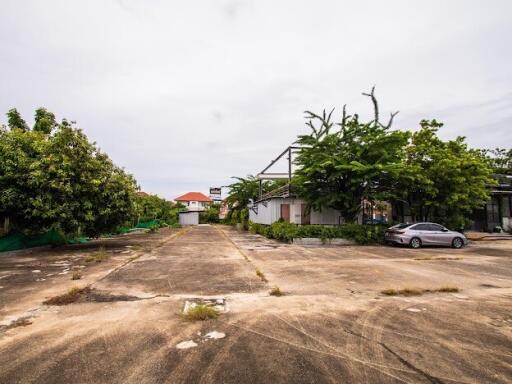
x: 194, y: 201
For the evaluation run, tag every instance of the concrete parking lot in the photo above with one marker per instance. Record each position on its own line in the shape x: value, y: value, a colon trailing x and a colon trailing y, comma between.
x: 333, y: 324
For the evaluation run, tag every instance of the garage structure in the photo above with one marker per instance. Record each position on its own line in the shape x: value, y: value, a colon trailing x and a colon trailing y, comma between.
x: 189, y: 218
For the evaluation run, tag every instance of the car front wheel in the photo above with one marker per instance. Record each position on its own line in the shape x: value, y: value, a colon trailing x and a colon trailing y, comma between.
x: 415, y: 243
x: 457, y: 243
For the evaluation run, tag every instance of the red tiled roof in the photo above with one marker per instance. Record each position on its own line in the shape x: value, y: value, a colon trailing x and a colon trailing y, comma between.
x: 193, y: 196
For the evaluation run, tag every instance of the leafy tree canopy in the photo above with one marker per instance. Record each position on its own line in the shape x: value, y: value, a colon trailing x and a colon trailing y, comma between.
x: 150, y: 207
x: 44, y: 121
x: 60, y: 180
x: 447, y: 180
x: 500, y: 160
x: 15, y: 121
x: 341, y: 164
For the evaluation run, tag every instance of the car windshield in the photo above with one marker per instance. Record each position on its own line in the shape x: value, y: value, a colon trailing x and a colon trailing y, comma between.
x: 401, y: 226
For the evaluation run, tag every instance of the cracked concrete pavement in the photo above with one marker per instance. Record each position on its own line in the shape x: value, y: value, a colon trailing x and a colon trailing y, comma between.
x: 332, y: 325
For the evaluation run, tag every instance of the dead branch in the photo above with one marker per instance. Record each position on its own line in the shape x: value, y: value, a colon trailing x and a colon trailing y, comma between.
x: 325, y: 121
x: 392, y: 116
x: 375, y: 104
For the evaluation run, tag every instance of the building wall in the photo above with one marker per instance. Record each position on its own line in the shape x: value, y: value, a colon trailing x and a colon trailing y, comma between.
x: 326, y: 217
x: 266, y: 214
x: 272, y: 212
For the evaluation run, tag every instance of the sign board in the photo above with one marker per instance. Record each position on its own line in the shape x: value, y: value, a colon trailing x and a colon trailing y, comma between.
x: 216, y: 194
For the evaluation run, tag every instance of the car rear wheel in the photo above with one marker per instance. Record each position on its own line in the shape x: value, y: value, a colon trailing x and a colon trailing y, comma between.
x: 457, y: 243
x: 415, y: 242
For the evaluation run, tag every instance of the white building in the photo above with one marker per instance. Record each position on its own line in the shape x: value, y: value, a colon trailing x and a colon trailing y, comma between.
x: 282, y: 203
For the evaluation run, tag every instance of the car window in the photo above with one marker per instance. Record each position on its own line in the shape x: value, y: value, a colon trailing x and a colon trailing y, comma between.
x: 421, y: 227
x: 401, y: 226
x: 436, y: 227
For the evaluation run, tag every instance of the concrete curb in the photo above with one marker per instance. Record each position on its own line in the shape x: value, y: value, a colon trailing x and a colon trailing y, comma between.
x: 317, y: 241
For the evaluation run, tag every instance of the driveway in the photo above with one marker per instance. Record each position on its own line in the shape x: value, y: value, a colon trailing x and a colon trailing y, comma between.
x: 333, y: 324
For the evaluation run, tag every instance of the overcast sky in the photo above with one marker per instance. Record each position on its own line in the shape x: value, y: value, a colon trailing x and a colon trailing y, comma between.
x: 185, y: 94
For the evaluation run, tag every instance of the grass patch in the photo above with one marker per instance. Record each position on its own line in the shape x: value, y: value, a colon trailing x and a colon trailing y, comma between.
x: 261, y: 275
x: 76, y: 275
x: 276, y: 291
x: 201, y: 312
x: 402, y: 292
x: 448, y: 289
x: 67, y: 298
x: 98, y: 256
x: 418, y: 291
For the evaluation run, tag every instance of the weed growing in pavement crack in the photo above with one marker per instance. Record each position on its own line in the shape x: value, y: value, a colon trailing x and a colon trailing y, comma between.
x: 67, y: 298
x: 276, y: 291
x: 261, y: 275
x: 201, y: 312
x: 98, y: 256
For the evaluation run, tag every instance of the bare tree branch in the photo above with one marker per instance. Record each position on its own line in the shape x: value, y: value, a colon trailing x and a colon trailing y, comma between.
x: 375, y: 104
x: 344, y: 118
x: 325, y: 121
x: 392, y: 116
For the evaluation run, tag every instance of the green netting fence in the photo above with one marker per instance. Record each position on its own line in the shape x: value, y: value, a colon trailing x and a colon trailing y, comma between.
x: 149, y: 224
x: 17, y: 241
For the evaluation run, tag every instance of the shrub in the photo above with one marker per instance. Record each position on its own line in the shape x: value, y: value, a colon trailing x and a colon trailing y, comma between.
x: 234, y: 216
x: 362, y: 234
x: 210, y: 215
x: 244, y: 218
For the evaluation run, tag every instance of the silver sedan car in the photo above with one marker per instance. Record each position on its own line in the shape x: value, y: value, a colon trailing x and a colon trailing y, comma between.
x: 419, y: 234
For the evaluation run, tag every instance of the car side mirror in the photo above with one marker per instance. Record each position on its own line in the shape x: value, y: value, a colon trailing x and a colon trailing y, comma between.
x: 444, y: 230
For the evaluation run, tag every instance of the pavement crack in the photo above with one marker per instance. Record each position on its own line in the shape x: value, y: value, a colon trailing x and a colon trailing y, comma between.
x: 429, y: 377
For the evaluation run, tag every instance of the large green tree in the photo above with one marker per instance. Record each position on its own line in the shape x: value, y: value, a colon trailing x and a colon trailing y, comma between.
x: 58, y: 179
x: 445, y: 180
x: 341, y: 164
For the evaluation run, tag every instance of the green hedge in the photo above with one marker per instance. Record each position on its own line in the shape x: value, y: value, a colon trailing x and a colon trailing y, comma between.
x: 361, y: 234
